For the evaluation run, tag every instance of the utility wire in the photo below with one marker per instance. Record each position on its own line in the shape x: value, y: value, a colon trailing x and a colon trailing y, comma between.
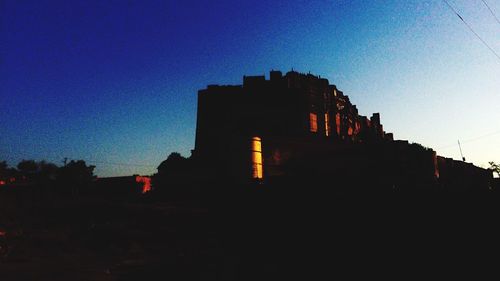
x: 471, y: 139
x: 90, y: 161
x: 100, y: 163
x: 491, y: 11
x: 119, y: 164
x: 470, y: 28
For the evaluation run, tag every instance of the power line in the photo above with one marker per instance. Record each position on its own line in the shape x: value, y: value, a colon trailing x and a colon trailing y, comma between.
x: 100, y: 163
x: 65, y: 160
x: 120, y: 164
x: 470, y: 28
x: 90, y: 161
x: 491, y: 11
x: 471, y: 139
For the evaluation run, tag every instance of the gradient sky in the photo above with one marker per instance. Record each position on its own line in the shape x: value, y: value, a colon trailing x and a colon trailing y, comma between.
x: 115, y: 82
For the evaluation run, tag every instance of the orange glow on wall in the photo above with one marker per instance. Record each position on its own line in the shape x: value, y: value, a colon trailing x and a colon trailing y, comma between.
x: 146, y: 183
x: 313, y: 122
x: 327, y: 124
x: 357, y: 128
x: 257, y: 158
x: 349, y: 131
x: 337, y: 123
x: 436, y: 166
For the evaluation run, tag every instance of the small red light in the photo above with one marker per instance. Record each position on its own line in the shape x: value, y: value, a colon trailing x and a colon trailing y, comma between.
x: 146, y: 183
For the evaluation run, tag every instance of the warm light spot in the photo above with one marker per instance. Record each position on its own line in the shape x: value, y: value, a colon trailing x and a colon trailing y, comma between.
x: 357, y: 128
x: 2, y: 182
x: 257, y: 158
x: 146, y: 183
x: 313, y: 122
x: 327, y: 124
x: 337, y: 123
x: 340, y: 106
x: 349, y: 131
x: 436, y: 166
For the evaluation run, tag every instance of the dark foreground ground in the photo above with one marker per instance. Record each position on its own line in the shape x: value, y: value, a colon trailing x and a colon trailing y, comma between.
x: 251, y: 237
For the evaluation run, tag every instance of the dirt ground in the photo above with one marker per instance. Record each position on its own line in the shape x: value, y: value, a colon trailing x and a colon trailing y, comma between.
x: 95, y: 239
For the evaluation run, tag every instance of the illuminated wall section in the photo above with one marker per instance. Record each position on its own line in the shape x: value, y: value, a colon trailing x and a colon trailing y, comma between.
x: 357, y: 128
x: 327, y: 124
x: 337, y: 123
x: 257, y: 158
x: 313, y: 122
x: 435, y: 163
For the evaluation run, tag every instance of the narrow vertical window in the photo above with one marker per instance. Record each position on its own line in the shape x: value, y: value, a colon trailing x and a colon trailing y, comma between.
x: 349, y: 131
x: 357, y: 128
x: 337, y: 123
x: 313, y: 122
x: 327, y: 124
x: 256, y: 158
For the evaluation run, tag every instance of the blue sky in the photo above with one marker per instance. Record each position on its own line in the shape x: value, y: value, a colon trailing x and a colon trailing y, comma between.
x: 115, y: 82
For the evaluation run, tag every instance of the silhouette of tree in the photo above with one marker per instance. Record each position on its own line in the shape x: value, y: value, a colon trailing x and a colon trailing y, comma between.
x: 175, y: 163
x: 495, y: 167
x: 47, y: 168
x: 47, y: 173
x: 38, y: 171
x: 28, y: 168
x: 75, y: 176
x: 170, y: 180
x: 417, y: 146
x: 3, y: 170
x: 6, y: 172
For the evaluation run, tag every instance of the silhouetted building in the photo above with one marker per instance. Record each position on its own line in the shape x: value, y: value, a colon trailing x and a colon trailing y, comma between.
x: 297, y: 124
x: 462, y: 176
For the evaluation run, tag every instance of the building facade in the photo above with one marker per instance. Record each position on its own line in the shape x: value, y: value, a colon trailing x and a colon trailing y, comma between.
x: 277, y: 119
x: 298, y: 123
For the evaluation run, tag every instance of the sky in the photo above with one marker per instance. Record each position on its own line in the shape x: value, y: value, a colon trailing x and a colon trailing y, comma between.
x: 115, y: 82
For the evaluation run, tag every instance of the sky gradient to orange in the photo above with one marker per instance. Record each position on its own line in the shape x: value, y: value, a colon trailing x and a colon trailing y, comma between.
x: 115, y: 82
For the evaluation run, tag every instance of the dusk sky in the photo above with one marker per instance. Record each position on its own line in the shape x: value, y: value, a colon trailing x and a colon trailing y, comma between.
x: 115, y: 82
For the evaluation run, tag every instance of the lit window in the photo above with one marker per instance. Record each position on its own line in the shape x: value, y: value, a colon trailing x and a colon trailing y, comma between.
x: 313, y: 122
x: 337, y: 123
x: 357, y: 128
x: 349, y: 131
x: 327, y: 124
x: 256, y: 158
x: 340, y: 106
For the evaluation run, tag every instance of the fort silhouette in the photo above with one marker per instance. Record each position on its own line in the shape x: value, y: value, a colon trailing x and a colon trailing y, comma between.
x: 266, y: 194
x: 299, y: 126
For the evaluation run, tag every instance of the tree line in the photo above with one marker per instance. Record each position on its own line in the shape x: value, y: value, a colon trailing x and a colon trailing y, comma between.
x: 71, y: 177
